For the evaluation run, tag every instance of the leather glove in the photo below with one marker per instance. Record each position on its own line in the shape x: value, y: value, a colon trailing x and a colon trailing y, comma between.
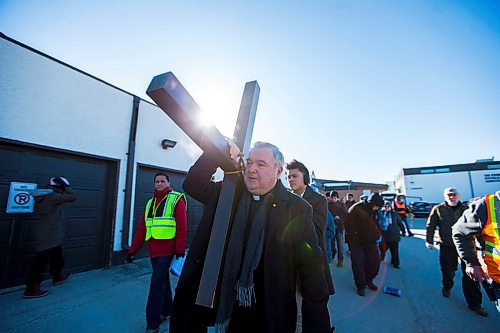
x: 429, y: 246
x: 179, y: 255
x: 61, y: 182
x: 130, y: 258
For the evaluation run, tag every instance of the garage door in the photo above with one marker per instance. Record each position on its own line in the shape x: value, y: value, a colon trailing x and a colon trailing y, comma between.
x: 88, y: 219
x: 144, y: 188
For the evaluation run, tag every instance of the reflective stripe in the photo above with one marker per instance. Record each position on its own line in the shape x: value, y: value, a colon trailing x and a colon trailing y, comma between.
x: 492, y: 216
x: 492, y: 250
x: 491, y: 237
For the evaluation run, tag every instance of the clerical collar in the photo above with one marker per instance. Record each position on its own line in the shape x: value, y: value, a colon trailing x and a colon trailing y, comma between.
x: 256, y: 197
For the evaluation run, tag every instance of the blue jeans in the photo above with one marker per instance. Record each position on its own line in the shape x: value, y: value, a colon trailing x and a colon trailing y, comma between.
x: 160, y: 293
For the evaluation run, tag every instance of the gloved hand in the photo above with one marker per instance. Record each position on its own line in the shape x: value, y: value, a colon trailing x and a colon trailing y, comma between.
x: 61, y: 182
x: 179, y: 255
x: 130, y: 258
x: 429, y: 246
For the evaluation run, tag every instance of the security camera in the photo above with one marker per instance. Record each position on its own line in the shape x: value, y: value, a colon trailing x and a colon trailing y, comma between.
x: 166, y: 143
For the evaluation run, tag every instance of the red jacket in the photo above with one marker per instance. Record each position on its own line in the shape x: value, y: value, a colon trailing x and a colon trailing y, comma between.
x: 164, y: 247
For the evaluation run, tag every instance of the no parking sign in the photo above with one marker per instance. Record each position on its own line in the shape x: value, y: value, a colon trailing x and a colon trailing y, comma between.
x: 19, y: 199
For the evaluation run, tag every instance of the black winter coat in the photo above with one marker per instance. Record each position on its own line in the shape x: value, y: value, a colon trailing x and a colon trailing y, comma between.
x: 320, y: 208
x: 443, y: 217
x: 361, y: 225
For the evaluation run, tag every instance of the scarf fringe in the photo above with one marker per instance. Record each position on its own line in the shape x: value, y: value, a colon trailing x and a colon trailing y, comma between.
x: 245, y: 295
x: 222, y: 327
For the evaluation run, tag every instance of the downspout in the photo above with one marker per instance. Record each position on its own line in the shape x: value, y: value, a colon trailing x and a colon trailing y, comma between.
x: 130, y: 174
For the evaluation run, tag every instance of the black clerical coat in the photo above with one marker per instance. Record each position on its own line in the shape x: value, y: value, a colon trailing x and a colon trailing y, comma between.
x: 290, y: 250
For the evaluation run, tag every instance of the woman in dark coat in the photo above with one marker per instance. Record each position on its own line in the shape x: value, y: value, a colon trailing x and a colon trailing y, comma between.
x: 392, y: 227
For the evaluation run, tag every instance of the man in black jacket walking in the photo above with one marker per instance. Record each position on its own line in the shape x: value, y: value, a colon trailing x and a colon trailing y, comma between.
x: 444, y: 216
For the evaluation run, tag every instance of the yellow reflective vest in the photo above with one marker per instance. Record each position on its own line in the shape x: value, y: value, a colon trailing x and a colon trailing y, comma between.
x: 491, y: 235
x: 161, y: 225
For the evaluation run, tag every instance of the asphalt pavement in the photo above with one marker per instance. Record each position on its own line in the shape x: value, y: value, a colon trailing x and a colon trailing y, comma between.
x: 114, y: 300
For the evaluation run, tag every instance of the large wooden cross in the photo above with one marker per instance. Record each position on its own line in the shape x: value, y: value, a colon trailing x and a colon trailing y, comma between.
x: 169, y: 94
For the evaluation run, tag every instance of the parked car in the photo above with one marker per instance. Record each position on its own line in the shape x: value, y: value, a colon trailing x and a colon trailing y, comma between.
x: 422, y: 208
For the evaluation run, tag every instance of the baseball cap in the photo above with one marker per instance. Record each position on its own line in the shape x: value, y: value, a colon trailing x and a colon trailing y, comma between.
x: 387, y: 203
x: 450, y: 190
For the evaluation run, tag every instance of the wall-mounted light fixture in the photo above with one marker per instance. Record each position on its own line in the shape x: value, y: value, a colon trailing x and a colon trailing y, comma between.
x: 166, y: 143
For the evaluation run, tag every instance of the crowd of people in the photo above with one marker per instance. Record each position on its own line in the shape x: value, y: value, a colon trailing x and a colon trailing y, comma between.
x: 276, y: 275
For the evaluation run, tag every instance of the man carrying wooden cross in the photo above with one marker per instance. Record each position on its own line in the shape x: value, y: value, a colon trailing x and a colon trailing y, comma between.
x: 271, y: 242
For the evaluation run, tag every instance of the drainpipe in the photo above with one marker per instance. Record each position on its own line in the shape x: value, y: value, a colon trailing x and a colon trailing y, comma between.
x: 130, y: 174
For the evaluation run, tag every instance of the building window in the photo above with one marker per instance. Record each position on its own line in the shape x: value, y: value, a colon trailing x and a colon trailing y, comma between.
x: 443, y: 170
x: 427, y: 171
x: 494, y: 166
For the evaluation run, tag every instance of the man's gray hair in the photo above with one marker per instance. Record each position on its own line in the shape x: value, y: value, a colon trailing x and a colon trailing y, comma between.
x: 278, y: 158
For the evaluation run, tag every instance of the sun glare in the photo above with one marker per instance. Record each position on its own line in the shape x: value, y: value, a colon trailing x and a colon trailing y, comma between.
x: 218, y: 112
x: 206, y: 118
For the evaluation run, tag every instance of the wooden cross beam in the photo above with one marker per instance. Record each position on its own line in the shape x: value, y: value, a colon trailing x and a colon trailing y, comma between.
x: 169, y: 94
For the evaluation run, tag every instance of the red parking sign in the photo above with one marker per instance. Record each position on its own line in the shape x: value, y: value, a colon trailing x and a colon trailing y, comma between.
x: 22, y: 198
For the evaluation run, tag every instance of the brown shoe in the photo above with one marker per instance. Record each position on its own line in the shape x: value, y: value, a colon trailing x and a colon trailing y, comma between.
x: 371, y: 285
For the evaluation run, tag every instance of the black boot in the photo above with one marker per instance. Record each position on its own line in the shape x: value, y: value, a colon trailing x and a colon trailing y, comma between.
x: 33, y: 290
x: 60, y: 278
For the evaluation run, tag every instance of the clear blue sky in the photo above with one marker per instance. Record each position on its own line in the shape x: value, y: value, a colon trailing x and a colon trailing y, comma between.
x: 354, y: 89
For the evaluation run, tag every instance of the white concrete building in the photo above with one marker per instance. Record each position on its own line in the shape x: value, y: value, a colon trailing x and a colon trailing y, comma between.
x: 56, y: 120
x: 471, y: 180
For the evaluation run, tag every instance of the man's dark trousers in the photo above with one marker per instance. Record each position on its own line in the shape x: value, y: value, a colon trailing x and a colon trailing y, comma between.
x: 338, y: 245
x: 160, y: 292
x: 448, y: 258
x: 394, y: 248
x: 365, y: 264
x: 54, y: 257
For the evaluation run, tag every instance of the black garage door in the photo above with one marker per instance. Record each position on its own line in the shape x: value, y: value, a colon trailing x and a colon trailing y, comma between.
x: 88, y: 219
x: 144, y: 188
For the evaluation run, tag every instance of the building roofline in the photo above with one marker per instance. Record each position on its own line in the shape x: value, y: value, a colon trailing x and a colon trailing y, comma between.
x: 348, y: 183
x: 2, y: 35
x: 493, y: 165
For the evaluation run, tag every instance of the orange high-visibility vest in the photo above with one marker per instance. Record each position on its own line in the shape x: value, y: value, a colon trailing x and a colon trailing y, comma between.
x: 400, y: 208
x: 491, y: 236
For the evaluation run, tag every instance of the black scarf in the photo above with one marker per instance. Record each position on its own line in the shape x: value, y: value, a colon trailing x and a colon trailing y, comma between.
x: 243, y: 253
